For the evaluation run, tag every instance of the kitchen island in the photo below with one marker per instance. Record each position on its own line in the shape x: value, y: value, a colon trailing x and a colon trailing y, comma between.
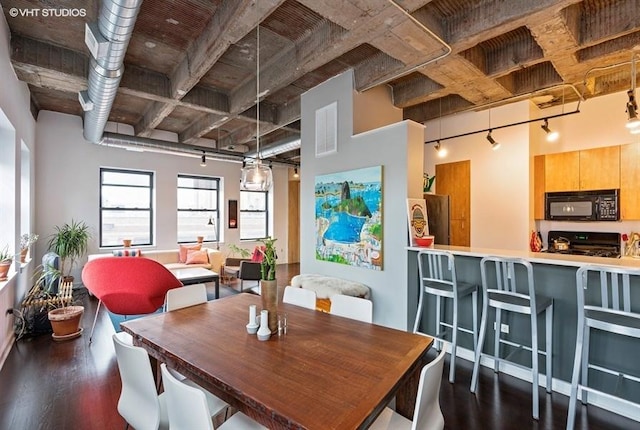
x: 554, y: 276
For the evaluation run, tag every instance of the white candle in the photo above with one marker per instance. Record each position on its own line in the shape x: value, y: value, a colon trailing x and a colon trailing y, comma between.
x: 252, y: 314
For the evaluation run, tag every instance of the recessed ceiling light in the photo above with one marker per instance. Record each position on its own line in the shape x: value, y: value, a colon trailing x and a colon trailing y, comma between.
x: 172, y: 21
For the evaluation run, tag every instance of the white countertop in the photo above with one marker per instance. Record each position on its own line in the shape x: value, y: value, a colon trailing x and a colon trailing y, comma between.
x: 537, y: 257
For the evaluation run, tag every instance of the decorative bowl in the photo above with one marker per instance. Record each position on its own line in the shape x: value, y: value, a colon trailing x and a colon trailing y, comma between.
x: 424, y: 241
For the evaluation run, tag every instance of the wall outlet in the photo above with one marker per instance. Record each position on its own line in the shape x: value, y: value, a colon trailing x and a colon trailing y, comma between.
x: 504, y: 328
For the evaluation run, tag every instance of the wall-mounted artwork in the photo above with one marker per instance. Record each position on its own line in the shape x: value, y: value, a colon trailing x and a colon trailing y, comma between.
x: 348, y: 211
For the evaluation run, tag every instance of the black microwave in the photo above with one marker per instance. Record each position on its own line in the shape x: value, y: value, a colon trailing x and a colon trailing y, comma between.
x: 594, y: 205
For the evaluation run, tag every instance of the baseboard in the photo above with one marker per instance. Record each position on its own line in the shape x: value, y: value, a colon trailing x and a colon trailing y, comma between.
x: 618, y: 406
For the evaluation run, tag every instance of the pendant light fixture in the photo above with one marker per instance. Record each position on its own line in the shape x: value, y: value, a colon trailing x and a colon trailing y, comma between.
x: 255, y: 175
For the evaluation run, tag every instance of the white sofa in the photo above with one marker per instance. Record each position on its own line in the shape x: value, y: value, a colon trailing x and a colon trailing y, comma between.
x: 170, y: 258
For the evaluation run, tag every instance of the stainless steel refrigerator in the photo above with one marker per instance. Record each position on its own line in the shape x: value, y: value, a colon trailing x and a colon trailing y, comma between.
x: 438, y: 218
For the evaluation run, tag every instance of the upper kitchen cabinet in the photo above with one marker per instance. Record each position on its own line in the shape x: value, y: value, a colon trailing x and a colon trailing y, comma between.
x: 562, y: 171
x: 454, y: 180
x: 600, y: 168
x: 629, y: 182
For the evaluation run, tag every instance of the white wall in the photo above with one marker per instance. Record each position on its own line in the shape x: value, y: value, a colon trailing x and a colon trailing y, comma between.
x: 499, y: 179
x: 68, y: 183
x: 398, y: 148
x: 17, y: 123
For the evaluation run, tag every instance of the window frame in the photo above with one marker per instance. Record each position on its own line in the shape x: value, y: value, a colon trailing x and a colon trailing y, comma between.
x: 217, y: 190
x: 151, y: 208
x: 265, y: 211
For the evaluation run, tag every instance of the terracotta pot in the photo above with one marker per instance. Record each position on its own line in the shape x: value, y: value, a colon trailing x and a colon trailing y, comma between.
x: 126, y: 243
x: 269, y: 297
x: 200, y: 239
x: 23, y: 255
x: 66, y: 321
x: 4, y: 269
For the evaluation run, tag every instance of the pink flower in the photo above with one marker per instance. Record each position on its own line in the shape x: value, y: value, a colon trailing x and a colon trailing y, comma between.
x: 625, y: 237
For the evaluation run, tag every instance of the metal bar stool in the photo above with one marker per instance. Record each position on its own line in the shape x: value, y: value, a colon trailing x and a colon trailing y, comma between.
x: 502, y: 289
x: 438, y: 277
x: 604, y: 303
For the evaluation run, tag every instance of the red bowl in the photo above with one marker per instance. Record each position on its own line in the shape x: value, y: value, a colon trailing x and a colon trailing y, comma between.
x: 424, y: 241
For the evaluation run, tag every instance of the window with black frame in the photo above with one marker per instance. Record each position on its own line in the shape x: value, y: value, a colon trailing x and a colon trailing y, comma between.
x: 254, y: 215
x: 126, y: 207
x: 198, y: 208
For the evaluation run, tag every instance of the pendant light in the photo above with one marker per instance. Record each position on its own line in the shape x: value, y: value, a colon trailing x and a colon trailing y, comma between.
x: 255, y: 175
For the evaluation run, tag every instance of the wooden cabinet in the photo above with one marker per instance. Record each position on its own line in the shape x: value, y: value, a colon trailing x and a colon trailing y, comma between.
x: 538, y: 186
x: 600, y: 168
x: 562, y: 171
x: 454, y: 180
x: 630, y: 181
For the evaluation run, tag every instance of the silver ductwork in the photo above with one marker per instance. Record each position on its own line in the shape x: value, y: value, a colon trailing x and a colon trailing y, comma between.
x: 115, y: 24
x: 284, y: 145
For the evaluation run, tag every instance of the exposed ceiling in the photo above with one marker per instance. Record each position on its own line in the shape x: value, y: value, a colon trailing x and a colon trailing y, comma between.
x: 190, y: 67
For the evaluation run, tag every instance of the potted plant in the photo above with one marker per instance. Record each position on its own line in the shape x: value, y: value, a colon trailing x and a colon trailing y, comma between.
x: 6, y: 258
x: 70, y: 243
x: 268, y: 283
x: 26, y: 240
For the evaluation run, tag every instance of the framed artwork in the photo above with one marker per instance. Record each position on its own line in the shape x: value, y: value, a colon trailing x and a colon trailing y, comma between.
x: 233, y: 214
x: 348, y: 217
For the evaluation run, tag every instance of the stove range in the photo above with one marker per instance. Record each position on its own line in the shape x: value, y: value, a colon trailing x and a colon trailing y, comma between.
x: 593, y: 244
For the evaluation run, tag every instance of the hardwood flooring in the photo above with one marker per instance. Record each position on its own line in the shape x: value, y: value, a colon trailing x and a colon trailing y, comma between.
x: 73, y: 385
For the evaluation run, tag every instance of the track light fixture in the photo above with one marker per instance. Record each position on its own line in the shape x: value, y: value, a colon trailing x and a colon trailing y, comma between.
x: 633, y: 122
x: 494, y: 145
x: 552, y: 136
x: 203, y: 161
x: 442, y: 151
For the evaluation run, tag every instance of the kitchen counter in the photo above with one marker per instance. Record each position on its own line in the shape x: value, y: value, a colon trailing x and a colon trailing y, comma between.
x: 554, y: 276
x: 537, y: 257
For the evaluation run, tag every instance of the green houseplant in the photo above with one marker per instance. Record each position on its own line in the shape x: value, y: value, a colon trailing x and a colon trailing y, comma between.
x: 70, y: 242
x: 268, y: 284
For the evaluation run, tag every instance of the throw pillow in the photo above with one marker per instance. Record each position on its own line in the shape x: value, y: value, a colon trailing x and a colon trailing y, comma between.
x: 197, y: 257
x: 258, y: 255
x: 184, y: 249
x: 127, y: 253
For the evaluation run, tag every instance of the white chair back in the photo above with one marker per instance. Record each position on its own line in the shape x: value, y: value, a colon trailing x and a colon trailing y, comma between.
x: 427, y: 413
x: 139, y: 403
x: 182, y: 297
x: 299, y: 297
x: 352, y: 307
x: 186, y: 406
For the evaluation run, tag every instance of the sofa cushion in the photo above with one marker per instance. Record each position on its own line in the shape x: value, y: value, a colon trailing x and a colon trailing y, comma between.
x: 186, y: 248
x: 197, y: 257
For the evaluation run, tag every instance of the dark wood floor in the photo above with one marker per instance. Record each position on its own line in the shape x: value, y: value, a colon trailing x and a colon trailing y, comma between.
x: 74, y: 385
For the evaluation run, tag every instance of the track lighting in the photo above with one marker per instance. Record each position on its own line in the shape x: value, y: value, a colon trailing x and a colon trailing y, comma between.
x: 442, y: 151
x: 494, y: 145
x: 552, y: 136
x: 295, y: 172
x: 203, y: 163
x: 632, y: 111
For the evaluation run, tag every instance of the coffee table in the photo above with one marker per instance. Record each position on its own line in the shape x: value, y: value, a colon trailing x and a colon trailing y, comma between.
x: 196, y: 275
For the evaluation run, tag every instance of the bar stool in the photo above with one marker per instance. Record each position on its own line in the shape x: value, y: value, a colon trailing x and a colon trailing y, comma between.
x: 502, y: 289
x: 604, y: 303
x: 437, y: 273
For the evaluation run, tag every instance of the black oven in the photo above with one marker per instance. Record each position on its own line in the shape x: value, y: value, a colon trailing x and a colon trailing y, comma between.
x: 596, y: 205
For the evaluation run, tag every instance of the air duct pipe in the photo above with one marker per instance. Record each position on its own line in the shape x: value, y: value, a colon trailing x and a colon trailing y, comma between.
x: 115, y: 24
x: 284, y: 145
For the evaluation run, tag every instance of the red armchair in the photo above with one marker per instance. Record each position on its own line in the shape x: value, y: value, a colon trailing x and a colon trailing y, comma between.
x: 128, y: 285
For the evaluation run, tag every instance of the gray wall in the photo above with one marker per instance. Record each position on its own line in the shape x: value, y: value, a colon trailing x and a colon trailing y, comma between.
x: 402, y: 177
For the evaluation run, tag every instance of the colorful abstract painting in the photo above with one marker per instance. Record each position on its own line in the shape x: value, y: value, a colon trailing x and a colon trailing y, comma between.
x: 348, y: 214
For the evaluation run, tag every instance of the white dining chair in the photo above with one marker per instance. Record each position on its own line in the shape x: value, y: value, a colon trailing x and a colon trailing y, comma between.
x: 427, y: 414
x: 139, y: 403
x: 189, y: 295
x: 352, y: 307
x: 299, y: 297
x: 188, y: 409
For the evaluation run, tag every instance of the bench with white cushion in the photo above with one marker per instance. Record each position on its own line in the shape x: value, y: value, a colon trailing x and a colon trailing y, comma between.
x: 327, y: 286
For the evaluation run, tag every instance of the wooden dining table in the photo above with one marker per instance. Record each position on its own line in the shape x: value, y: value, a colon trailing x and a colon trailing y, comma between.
x: 326, y: 372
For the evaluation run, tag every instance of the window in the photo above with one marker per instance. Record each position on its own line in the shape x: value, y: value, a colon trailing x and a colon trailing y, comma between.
x: 126, y: 207
x: 254, y: 215
x: 198, y: 203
